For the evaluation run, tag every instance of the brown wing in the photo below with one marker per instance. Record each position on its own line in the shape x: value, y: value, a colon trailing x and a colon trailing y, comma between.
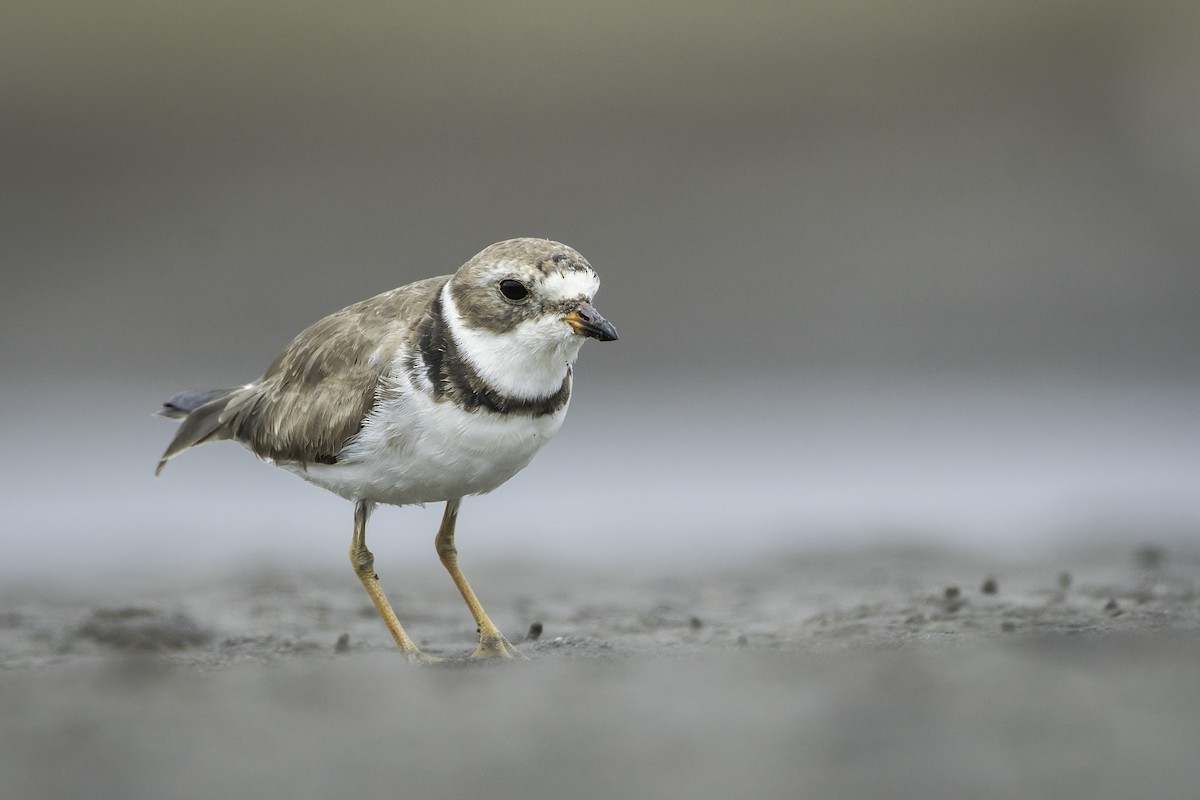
x: 317, y: 393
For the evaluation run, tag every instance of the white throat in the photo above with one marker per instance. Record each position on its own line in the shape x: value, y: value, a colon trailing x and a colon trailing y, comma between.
x: 529, y: 362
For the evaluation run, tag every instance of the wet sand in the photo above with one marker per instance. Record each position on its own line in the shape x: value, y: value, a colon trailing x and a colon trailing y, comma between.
x: 898, y: 673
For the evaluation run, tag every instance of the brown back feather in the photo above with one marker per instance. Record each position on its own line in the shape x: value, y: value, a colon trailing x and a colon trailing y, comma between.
x: 316, y: 394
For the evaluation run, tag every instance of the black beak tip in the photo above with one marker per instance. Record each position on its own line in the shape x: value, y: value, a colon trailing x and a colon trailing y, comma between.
x: 607, y: 332
x: 587, y: 321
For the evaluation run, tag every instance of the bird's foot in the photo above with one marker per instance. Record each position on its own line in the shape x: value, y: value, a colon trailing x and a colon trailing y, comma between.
x: 416, y: 656
x: 496, y: 646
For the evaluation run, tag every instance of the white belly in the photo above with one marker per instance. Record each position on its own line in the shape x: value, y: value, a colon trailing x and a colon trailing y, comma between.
x: 416, y: 450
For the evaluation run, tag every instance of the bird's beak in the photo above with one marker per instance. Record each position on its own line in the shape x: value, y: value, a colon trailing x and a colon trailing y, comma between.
x: 586, y: 321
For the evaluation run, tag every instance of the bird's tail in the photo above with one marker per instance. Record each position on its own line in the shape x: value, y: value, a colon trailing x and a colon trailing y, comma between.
x: 200, y: 411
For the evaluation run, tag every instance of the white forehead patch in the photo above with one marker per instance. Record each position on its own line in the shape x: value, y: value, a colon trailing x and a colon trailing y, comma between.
x: 570, y: 284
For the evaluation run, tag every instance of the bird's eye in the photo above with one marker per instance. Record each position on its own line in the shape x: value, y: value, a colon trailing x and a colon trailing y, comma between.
x: 513, y: 290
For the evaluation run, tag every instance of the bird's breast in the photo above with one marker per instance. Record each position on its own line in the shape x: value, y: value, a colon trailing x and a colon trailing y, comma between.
x: 417, y: 449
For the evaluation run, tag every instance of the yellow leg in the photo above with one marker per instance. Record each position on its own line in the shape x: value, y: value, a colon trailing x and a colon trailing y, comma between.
x: 492, y: 643
x: 364, y: 567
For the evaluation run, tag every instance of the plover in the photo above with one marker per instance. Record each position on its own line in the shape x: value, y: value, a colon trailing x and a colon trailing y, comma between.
x: 431, y: 392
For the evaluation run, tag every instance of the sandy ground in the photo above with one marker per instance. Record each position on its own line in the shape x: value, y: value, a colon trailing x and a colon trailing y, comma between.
x: 886, y: 673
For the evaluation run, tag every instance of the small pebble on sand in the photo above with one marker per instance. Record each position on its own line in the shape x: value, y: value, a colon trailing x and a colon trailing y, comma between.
x: 953, y: 599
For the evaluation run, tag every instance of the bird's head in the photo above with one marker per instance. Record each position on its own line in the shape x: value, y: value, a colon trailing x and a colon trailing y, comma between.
x: 526, y: 298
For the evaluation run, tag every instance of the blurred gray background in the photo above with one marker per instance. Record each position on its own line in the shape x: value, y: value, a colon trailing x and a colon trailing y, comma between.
x: 882, y: 271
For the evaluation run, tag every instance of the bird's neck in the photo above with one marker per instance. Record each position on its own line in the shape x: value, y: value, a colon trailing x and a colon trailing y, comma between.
x: 518, y: 363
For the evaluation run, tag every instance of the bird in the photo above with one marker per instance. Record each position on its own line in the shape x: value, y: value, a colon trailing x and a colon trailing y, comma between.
x: 429, y: 393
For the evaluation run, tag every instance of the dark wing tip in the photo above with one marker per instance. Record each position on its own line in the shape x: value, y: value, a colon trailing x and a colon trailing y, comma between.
x: 171, y: 411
